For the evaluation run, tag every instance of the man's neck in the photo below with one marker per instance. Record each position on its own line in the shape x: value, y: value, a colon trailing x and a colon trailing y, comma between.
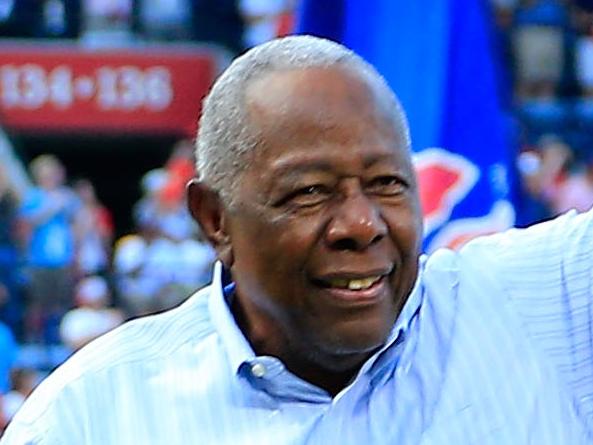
x: 331, y: 373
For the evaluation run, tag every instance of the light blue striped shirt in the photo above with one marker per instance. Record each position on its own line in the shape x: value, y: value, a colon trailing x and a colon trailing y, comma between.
x: 494, y: 346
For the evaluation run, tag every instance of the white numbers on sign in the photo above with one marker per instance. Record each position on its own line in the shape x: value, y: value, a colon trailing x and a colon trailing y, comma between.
x: 60, y: 86
x: 125, y: 88
x: 34, y: 88
x: 132, y: 87
x: 9, y: 79
x: 159, y: 92
x: 129, y: 88
x: 107, y: 96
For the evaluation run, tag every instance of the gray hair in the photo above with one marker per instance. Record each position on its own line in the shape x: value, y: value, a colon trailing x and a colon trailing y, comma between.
x: 225, y: 139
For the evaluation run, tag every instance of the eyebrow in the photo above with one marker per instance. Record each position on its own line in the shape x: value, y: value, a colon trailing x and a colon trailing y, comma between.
x: 291, y: 168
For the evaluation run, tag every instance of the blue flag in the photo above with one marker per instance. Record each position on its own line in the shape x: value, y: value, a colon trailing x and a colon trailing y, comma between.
x: 438, y: 56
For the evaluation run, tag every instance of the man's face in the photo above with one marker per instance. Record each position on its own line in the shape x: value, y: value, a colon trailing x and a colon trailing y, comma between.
x: 326, y: 231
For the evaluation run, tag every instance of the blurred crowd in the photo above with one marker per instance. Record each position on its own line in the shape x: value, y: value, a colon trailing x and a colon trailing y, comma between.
x: 233, y: 24
x: 547, y: 46
x: 65, y: 280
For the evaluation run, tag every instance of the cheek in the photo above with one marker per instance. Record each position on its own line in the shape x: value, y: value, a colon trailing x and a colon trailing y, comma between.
x: 270, y: 265
x: 406, y: 232
x: 293, y: 230
x: 276, y: 248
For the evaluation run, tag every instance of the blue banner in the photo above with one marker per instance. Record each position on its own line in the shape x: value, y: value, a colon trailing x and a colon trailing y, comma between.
x: 438, y: 56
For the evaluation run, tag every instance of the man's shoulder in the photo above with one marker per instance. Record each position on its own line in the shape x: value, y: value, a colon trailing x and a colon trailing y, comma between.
x: 127, y: 351
x: 147, y: 338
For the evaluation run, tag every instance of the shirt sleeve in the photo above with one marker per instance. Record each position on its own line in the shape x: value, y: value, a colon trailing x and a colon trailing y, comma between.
x: 547, y: 273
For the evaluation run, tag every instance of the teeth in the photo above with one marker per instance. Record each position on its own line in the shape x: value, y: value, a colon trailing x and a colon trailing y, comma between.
x: 361, y: 284
x: 358, y: 284
x: 339, y: 282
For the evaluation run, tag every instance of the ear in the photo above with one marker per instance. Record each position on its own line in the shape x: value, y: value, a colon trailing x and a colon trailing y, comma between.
x: 207, y: 209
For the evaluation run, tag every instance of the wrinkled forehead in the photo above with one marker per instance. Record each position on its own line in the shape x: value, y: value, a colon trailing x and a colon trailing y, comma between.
x: 316, y: 90
x: 320, y: 103
x: 320, y: 120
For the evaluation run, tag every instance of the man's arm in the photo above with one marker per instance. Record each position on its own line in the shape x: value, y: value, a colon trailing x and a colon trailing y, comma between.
x: 546, y: 271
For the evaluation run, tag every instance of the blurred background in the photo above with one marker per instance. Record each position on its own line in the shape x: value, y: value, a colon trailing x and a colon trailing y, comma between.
x: 99, y: 103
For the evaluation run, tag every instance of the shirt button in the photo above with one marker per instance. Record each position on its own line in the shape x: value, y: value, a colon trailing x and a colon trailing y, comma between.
x: 258, y: 370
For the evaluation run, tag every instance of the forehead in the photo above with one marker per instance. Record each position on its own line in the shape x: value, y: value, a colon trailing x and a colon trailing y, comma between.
x: 320, y: 95
x: 303, y: 113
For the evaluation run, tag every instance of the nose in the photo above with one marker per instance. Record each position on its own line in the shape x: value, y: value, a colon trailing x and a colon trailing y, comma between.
x: 356, y: 224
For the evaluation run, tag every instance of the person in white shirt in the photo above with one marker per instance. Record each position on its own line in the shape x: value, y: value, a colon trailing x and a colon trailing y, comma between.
x: 92, y: 317
x: 323, y: 323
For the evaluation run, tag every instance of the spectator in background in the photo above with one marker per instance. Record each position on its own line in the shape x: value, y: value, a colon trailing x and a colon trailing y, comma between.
x: 569, y: 178
x: 48, y: 212
x: 92, y: 315
x: 155, y: 275
x: 59, y: 18
x: 263, y: 19
x: 157, y: 268
x: 174, y: 265
x: 128, y: 268
x: 151, y: 184
x: 93, y: 230
x: 171, y: 215
x: 162, y: 209
x: 539, y: 47
x: 583, y: 20
x: 106, y: 22
x: 574, y: 190
x: 554, y: 176
x: 163, y: 19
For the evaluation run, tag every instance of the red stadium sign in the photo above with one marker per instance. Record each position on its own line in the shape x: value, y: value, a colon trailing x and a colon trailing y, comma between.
x: 69, y: 89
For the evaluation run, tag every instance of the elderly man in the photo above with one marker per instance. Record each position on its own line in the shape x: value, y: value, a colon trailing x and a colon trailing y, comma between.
x: 323, y: 323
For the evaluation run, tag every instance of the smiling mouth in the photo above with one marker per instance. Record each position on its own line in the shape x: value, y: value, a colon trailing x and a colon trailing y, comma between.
x: 352, y: 284
x: 359, y: 291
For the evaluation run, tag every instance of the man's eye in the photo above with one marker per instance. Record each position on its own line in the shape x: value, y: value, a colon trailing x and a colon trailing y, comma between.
x: 309, y: 195
x: 312, y: 190
x: 387, y: 186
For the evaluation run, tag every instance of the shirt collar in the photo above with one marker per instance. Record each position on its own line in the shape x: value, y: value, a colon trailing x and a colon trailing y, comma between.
x: 239, y: 350
x: 234, y: 342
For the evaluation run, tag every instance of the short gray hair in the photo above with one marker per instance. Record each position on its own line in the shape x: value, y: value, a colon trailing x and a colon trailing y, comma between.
x: 225, y: 139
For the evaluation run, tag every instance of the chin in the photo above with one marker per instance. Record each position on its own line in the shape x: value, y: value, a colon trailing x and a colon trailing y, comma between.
x: 360, y: 344
x: 345, y: 350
